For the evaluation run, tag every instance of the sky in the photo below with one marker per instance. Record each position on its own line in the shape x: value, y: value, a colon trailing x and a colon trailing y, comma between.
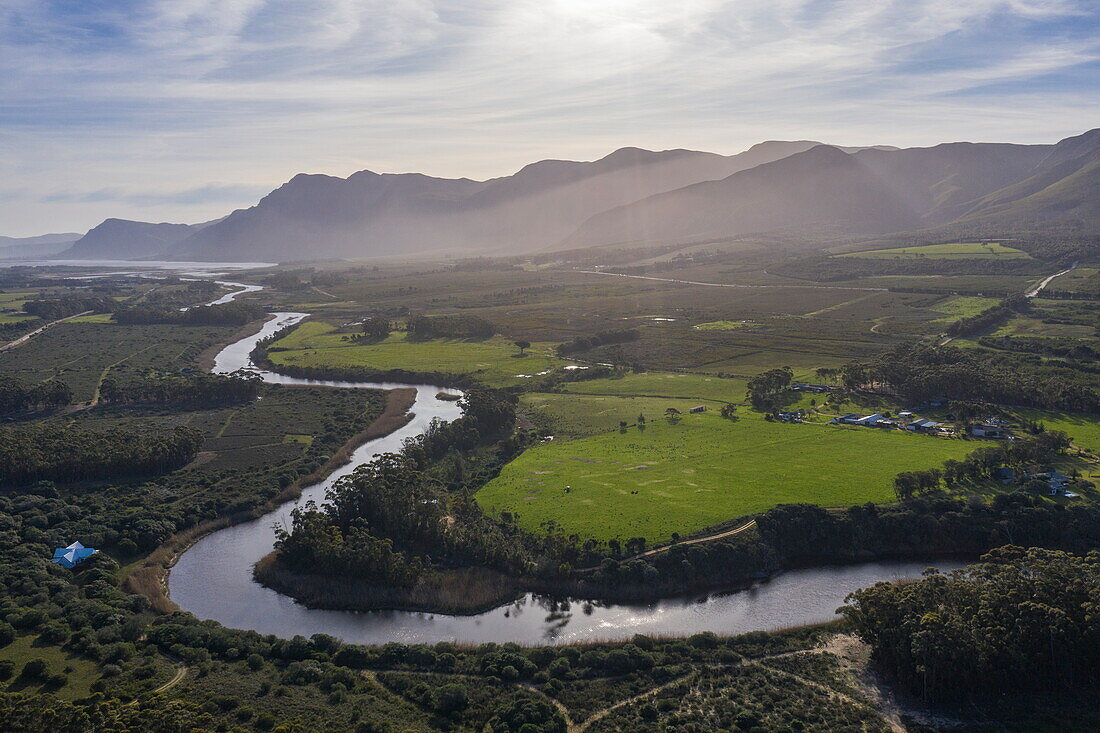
x: 183, y: 110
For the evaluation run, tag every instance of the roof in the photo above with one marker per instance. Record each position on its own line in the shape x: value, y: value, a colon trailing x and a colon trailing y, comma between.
x: 72, y: 555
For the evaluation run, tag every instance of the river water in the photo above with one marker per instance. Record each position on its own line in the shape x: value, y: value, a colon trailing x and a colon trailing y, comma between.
x: 213, y: 579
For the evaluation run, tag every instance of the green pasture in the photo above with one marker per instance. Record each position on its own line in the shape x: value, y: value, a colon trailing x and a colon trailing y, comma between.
x: 952, y: 251
x: 1029, y: 326
x: 1083, y: 428
x: 702, y: 471
x: 14, y: 317
x: 665, y: 384
x: 956, y: 307
x: 79, y: 671
x: 493, y: 361
x: 576, y: 415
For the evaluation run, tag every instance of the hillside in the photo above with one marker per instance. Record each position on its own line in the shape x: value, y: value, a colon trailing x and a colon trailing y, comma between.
x: 43, y: 245
x: 120, y: 239
x: 381, y: 214
x: 822, y: 187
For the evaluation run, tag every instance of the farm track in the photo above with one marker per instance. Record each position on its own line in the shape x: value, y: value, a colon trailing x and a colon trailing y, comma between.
x: 28, y: 336
x: 665, y: 548
x: 579, y: 726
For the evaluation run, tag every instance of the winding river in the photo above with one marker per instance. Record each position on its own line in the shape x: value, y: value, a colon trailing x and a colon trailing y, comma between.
x: 213, y: 579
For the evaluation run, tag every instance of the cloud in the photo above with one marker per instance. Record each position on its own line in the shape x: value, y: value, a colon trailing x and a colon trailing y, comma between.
x: 208, y: 194
x: 120, y: 101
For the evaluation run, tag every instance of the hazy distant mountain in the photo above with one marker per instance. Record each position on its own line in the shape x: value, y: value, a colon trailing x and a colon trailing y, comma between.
x: 992, y: 188
x: 1064, y: 193
x: 824, y: 188
x: 632, y: 195
x: 43, y: 245
x: 120, y: 239
x: 371, y: 214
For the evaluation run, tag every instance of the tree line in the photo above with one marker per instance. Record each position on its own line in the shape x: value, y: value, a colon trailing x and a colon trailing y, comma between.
x: 990, y: 317
x: 52, y: 309
x: 18, y: 397
x: 918, y: 373
x: 192, y: 389
x: 1065, y: 348
x: 458, y: 326
x: 225, y: 314
x: 764, y: 389
x: 981, y: 464
x: 47, y: 452
x: 1023, y: 620
x: 578, y: 344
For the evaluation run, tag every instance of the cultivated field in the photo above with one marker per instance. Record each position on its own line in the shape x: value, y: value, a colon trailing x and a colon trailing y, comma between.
x: 702, y: 471
x: 953, y: 251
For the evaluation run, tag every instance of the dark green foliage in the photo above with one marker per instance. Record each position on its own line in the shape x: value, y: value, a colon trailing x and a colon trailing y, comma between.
x: 17, y: 397
x: 1065, y: 348
x: 600, y: 338
x: 764, y: 389
x: 919, y: 373
x: 460, y: 326
x: 36, y: 453
x: 194, y: 389
x: 226, y: 314
x: 55, y: 308
x: 1023, y: 619
x: 376, y: 327
x: 990, y: 317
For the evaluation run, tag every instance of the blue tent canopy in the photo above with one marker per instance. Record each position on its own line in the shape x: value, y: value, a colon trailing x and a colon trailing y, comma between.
x: 73, y: 555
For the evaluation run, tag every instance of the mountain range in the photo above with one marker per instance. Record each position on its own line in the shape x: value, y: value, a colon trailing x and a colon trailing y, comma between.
x: 44, y: 245
x: 803, y: 188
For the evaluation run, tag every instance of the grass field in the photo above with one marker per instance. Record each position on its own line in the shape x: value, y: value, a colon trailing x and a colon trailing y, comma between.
x: 493, y: 361
x: 962, y: 306
x: 953, y: 251
x: 576, y: 415
x: 703, y: 471
x: 1028, y: 326
x: 1081, y: 280
x: 661, y: 384
x: 82, y: 672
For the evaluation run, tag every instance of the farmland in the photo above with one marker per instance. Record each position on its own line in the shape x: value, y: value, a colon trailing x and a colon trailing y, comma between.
x: 702, y: 471
x: 494, y: 361
x: 952, y: 251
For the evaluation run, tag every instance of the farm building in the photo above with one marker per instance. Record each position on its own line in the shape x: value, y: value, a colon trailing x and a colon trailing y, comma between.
x: 988, y: 430
x: 923, y: 426
x: 73, y: 555
x: 698, y: 408
x: 849, y: 419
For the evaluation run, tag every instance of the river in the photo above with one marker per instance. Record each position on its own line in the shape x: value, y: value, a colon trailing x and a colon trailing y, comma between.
x: 213, y: 579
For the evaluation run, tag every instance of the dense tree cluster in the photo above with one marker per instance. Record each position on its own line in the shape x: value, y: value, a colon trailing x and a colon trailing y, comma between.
x: 18, y: 397
x: 764, y: 389
x: 990, y: 317
x: 1022, y: 620
x: 54, y: 308
x: 198, y: 389
x: 40, y: 452
x: 981, y: 464
x: 1065, y: 348
x: 225, y: 314
x: 919, y: 373
x: 313, y: 544
x: 577, y: 344
x: 459, y: 326
x: 376, y: 327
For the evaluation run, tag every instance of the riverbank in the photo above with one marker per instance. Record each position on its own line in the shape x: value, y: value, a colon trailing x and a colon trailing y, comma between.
x: 207, y: 356
x: 150, y: 577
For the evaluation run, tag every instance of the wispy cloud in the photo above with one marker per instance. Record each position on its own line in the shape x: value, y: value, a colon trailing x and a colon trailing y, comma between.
x: 134, y: 105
